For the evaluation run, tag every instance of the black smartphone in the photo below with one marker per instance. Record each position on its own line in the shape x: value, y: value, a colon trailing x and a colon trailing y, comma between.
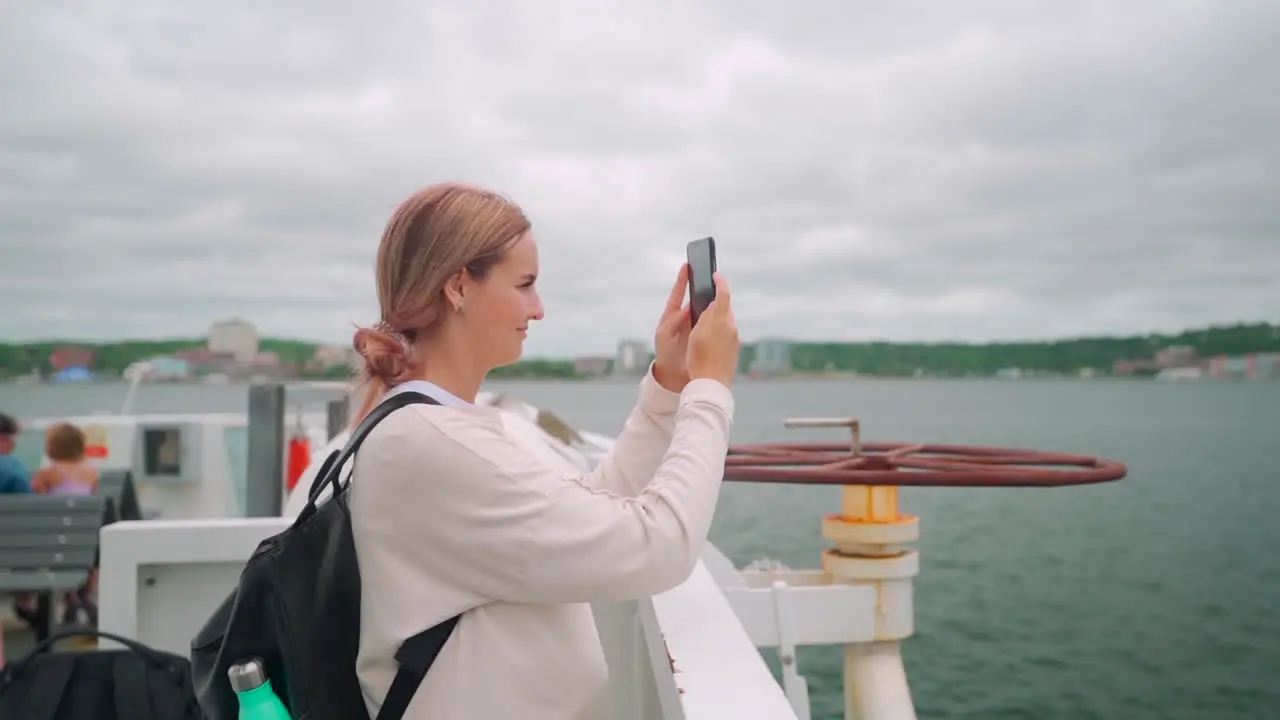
x: 702, y: 265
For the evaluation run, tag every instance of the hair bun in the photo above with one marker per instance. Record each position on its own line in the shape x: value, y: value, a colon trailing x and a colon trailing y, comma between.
x: 386, y: 357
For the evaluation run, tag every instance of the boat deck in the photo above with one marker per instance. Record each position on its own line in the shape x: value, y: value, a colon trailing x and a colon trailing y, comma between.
x: 687, y: 654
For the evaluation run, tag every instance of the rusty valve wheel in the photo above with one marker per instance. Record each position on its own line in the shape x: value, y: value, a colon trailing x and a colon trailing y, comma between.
x: 910, y: 464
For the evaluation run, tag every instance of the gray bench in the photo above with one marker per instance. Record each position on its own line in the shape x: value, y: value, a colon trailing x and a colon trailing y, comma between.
x: 48, y: 544
x: 121, y: 494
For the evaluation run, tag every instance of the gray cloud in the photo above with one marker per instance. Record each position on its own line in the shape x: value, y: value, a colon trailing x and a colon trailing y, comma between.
x: 902, y: 170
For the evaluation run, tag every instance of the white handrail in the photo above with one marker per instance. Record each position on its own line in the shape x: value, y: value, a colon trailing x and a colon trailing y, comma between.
x: 161, y: 580
x: 132, y: 393
x: 718, y: 670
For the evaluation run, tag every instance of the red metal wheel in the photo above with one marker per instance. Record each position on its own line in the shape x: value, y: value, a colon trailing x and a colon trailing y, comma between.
x: 914, y: 464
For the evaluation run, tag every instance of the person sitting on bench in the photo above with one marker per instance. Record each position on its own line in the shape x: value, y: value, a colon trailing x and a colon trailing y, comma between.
x: 69, y: 473
x: 14, y: 477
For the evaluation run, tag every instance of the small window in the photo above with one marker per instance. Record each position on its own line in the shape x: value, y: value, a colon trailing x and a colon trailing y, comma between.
x: 162, y: 451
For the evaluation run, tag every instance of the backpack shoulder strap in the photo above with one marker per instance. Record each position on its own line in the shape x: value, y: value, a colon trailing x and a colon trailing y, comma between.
x: 415, y: 657
x: 331, y: 470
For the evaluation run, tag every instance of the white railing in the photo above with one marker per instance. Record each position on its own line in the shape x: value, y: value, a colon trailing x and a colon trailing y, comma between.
x: 159, y: 580
x: 790, y: 608
x: 718, y: 670
x: 689, y: 653
x: 682, y: 655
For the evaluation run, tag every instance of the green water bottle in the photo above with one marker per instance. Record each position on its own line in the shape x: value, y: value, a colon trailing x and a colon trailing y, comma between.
x: 257, y: 700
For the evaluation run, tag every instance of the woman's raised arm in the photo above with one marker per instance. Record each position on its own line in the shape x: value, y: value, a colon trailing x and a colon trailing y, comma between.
x: 452, y: 496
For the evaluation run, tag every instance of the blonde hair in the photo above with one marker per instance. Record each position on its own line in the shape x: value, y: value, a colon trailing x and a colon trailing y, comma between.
x: 436, y: 233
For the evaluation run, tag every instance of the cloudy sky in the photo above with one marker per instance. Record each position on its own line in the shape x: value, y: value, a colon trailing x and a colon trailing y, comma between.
x: 873, y: 169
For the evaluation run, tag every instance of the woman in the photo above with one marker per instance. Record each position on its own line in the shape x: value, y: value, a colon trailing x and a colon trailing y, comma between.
x: 451, y: 515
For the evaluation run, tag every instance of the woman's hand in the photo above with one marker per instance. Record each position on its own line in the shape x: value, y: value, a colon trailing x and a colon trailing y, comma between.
x: 714, y: 345
x: 671, y: 341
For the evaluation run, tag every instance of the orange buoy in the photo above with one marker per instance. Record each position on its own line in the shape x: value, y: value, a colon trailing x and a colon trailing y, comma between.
x: 299, y: 459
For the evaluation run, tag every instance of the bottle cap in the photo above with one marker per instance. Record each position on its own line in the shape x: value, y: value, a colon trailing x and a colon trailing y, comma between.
x: 247, y: 675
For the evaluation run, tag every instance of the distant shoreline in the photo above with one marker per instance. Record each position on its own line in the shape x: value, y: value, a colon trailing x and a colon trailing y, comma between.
x: 627, y: 380
x: 1250, y: 349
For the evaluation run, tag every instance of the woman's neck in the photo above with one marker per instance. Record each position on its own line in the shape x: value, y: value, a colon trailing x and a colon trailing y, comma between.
x: 453, y: 371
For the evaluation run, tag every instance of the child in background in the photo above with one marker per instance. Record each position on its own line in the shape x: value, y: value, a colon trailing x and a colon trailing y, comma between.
x: 69, y: 473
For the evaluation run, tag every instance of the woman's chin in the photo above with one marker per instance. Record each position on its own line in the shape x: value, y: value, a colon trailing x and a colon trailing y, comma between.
x: 512, y: 357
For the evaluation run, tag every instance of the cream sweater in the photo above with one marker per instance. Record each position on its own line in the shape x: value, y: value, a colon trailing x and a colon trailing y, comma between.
x: 450, y: 515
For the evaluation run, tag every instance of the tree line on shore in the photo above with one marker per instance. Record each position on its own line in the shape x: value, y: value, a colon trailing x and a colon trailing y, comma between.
x: 892, y: 359
x: 1067, y: 357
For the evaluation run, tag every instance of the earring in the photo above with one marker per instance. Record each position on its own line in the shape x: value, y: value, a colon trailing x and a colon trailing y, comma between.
x: 461, y: 306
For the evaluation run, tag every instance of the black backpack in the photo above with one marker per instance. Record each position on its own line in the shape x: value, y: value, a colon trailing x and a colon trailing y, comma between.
x: 134, y: 683
x: 298, y: 608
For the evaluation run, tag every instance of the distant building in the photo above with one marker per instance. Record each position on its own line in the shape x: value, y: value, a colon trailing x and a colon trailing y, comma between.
x: 327, y: 356
x: 1217, y: 368
x: 773, y: 356
x: 1135, y: 367
x: 1267, y: 366
x: 70, y: 356
x: 1176, y: 356
x: 592, y: 366
x: 164, y: 367
x: 1256, y: 366
x: 201, y: 361
x: 1189, y: 372
x: 236, y: 337
x: 266, y: 360
x: 633, y: 358
x: 75, y: 373
x: 169, y: 368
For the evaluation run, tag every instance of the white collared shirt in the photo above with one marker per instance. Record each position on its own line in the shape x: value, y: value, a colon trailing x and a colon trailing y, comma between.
x: 430, y: 389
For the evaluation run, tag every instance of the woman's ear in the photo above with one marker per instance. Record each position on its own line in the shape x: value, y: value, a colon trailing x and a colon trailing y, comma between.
x: 453, y: 290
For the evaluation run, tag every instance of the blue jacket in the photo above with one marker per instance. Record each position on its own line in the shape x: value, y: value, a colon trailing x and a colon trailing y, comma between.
x: 14, y: 478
